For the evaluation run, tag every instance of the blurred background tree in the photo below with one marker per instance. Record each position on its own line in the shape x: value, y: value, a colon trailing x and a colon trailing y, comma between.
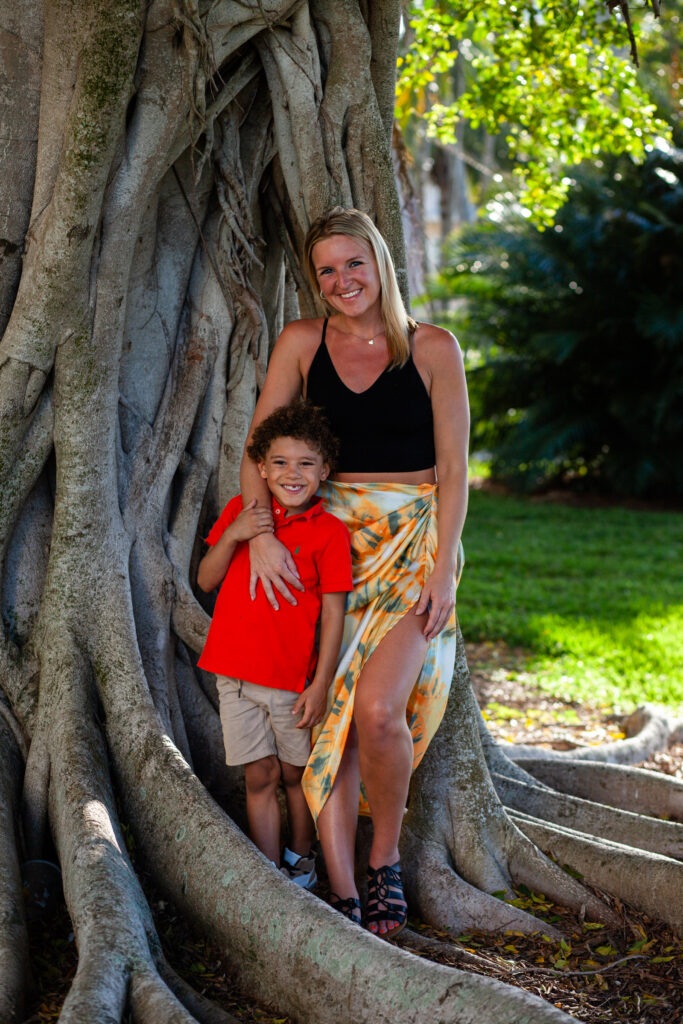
x: 569, y: 314
x: 510, y: 95
x: 580, y: 332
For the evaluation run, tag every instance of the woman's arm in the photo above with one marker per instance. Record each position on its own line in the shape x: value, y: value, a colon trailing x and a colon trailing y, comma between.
x: 252, y: 521
x: 271, y: 563
x: 443, y: 360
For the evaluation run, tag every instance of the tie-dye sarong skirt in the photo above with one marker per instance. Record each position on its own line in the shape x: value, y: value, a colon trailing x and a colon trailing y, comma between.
x: 393, y: 541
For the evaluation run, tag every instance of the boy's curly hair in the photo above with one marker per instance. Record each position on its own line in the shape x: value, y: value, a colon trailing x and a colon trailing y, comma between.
x: 301, y: 420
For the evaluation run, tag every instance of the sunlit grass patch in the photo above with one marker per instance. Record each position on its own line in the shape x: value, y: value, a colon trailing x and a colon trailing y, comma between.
x: 594, y: 595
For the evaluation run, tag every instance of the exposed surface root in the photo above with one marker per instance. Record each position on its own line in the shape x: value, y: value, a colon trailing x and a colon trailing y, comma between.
x: 632, y: 789
x: 283, y: 940
x: 648, y: 881
x: 205, y: 1011
x: 456, y: 823
x: 645, y: 833
x: 112, y: 923
x: 649, y: 729
x: 446, y: 901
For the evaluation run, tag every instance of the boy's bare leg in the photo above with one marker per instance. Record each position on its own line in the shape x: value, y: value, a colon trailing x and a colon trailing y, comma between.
x: 263, y: 811
x: 301, y: 829
x: 338, y: 820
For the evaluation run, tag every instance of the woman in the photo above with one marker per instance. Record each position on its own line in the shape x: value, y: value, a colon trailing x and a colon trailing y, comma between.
x: 395, y: 394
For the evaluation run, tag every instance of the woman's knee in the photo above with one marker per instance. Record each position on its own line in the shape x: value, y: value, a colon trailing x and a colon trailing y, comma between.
x: 262, y: 774
x: 380, y: 723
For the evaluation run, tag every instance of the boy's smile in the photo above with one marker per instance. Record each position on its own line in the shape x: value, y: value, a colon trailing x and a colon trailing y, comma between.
x: 293, y: 471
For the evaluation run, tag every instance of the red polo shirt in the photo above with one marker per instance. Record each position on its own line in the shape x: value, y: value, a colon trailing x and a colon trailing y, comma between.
x: 250, y: 640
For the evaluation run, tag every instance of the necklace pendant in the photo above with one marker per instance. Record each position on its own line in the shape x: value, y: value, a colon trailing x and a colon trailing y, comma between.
x: 371, y: 341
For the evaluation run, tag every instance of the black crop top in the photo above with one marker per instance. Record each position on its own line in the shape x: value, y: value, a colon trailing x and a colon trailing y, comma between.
x: 388, y: 428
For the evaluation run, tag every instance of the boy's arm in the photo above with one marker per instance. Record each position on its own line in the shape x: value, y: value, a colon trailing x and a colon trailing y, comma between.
x: 251, y: 521
x: 313, y: 701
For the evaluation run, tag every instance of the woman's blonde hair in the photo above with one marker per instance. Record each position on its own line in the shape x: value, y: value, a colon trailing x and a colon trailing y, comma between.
x: 398, y: 325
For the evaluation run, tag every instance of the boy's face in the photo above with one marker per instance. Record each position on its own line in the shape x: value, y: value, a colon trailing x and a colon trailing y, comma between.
x: 293, y: 471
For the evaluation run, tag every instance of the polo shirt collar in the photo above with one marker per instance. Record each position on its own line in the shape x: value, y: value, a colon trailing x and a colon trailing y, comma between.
x: 280, y: 513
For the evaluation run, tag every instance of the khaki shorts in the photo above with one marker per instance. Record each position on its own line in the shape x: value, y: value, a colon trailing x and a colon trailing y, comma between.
x: 257, y: 721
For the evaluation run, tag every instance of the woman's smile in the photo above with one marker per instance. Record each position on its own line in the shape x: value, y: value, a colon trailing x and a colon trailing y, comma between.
x: 347, y: 274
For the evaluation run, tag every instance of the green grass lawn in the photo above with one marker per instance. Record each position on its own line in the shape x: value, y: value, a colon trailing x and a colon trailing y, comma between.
x: 594, y: 595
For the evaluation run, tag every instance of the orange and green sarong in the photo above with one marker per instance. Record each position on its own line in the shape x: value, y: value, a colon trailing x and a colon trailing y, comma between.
x: 393, y: 531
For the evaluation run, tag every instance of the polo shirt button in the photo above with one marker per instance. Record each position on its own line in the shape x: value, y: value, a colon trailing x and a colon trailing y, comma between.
x: 277, y: 511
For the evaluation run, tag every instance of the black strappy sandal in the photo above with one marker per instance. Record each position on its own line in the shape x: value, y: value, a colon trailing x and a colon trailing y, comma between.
x: 349, y: 907
x: 386, y: 901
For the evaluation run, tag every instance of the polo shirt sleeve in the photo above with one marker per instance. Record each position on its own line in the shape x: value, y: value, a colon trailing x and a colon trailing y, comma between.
x: 227, y: 516
x: 334, y: 559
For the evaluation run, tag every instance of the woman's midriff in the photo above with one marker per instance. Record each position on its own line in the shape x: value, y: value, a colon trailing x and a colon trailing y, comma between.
x: 418, y: 476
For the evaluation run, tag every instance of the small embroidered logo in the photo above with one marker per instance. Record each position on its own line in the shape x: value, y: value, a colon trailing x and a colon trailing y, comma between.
x: 297, y: 550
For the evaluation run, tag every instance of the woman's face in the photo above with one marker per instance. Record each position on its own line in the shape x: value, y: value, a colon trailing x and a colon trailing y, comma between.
x: 347, y: 274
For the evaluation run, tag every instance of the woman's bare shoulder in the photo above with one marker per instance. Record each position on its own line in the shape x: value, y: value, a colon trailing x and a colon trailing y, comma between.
x: 301, y: 334
x: 435, y: 347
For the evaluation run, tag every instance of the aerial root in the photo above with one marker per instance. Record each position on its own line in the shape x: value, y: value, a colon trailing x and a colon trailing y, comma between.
x: 35, y: 795
x: 647, y: 881
x: 13, y: 935
x: 644, y: 833
x: 632, y: 789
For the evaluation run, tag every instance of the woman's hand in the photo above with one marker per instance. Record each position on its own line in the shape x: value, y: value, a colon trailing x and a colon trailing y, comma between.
x: 273, y: 565
x: 252, y: 520
x: 437, y: 597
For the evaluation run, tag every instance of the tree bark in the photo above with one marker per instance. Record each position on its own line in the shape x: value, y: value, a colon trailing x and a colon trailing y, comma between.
x: 166, y: 161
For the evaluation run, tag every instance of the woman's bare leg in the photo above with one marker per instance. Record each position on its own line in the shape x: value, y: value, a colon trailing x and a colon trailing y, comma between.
x: 384, y: 740
x: 338, y: 820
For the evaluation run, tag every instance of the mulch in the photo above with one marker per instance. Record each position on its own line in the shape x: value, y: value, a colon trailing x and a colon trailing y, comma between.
x: 597, y: 975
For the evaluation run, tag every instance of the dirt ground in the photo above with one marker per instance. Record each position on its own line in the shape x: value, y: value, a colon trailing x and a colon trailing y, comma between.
x: 600, y: 977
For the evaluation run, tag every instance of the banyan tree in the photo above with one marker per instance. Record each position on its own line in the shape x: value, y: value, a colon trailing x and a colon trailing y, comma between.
x: 161, y: 161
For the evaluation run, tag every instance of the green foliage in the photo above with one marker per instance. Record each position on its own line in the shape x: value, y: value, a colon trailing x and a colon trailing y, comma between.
x: 555, y: 78
x: 580, y: 331
x: 592, y: 594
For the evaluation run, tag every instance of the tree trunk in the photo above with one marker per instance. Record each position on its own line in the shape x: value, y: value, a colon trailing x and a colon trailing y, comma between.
x: 165, y: 161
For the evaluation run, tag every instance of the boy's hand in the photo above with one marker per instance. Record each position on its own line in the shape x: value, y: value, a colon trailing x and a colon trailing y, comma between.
x: 252, y: 520
x: 313, y: 703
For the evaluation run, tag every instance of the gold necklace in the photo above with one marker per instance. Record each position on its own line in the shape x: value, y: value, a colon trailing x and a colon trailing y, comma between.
x: 368, y: 341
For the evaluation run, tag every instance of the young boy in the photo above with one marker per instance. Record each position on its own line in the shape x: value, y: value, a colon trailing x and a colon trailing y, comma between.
x: 262, y: 657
